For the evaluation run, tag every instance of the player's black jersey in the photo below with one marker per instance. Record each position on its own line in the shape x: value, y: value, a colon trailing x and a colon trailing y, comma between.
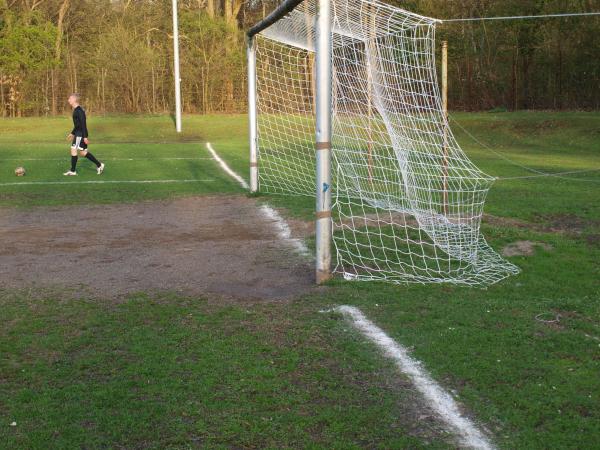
x: 79, y: 123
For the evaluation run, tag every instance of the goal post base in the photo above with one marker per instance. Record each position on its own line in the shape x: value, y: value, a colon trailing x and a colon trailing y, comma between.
x: 323, y: 276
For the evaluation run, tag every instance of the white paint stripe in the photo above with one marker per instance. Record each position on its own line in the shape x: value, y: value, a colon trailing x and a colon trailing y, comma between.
x: 283, y: 230
x: 96, y: 143
x: 592, y: 337
x: 438, y: 399
x: 226, y: 168
x: 106, y: 159
x: 41, y: 183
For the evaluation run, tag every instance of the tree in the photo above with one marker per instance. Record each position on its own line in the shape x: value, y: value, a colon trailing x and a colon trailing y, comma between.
x: 118, y: 54
x: 27, y: 42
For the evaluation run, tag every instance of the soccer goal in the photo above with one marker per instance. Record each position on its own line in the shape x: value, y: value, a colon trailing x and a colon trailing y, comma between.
x: 344, y: 106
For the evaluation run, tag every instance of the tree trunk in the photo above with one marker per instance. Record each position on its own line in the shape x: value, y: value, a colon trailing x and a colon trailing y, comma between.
x: 470, y: 101
x: 210, y: 8
x: 2, y: 104
x: 560, y: 75
x: 231, y: 9
x: 57, y: 51
x: 515, y: 96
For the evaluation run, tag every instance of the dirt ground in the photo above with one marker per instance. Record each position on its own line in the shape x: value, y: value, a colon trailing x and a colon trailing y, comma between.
x: 219, y: 245
x: 224, y: 246
x: 524, y: 248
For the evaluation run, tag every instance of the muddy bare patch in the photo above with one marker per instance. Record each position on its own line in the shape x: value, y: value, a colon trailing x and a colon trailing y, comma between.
x: 524, y: 248
x: 500, y: 222
x: 593, y: 240
x: 569, y: 223
x: 193, y: 246
x: 539, y: 127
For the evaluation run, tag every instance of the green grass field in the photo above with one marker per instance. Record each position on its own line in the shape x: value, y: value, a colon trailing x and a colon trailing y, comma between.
x: 134, y: 149
x: 172, y: 372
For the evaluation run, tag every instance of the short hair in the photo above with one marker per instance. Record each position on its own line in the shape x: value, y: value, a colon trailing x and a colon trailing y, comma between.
x: 76, y: 95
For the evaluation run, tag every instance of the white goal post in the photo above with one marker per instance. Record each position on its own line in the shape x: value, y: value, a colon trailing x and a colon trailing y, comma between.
x: 344, y: 106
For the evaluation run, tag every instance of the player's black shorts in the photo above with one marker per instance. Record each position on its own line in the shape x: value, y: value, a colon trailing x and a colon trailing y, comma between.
x: 78, y: 143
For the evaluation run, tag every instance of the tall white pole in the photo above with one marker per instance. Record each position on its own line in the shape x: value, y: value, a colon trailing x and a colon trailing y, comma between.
x: 323, y: 141
x: 252, y: 130
x: 176, y: 63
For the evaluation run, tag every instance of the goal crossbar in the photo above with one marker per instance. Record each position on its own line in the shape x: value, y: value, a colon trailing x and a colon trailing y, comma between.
x: 278, y: 13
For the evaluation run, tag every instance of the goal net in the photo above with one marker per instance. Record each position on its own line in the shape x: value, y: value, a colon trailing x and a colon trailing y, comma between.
x: 408, y: 202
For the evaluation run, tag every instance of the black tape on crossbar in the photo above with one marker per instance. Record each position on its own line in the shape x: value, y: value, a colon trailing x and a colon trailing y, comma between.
x: 284, y: 8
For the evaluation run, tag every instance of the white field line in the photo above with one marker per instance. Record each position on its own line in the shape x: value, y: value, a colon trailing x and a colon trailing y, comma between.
x: 225, y: 167
x: 592, y: 337
x: 283, y: 230
x: 437, y: 398
x: 108, y: 159
x: 32, y: 183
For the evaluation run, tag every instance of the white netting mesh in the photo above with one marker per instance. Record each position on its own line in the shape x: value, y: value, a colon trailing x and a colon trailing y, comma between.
x: 408, y: 201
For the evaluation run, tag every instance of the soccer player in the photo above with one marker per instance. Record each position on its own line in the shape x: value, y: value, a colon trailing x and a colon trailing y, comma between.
x: 79, y: 138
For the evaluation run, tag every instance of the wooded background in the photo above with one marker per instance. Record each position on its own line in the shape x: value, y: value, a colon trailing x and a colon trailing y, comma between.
x: 118, y: 54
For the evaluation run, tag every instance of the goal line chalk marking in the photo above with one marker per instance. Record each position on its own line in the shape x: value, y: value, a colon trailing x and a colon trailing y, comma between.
x: 225, y: 167
x: 437, y: 398
x: 283, y: 230
x: 113, y: 159
x: 32, y: 183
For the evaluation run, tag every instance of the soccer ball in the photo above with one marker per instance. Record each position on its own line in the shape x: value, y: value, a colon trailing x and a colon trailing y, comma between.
x: 20, y: 171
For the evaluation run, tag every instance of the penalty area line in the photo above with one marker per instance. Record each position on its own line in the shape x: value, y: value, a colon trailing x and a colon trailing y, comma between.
x: 32, y: 183
x: 437, y: 398
x: 283, y: 229
x: 113, y: 159
x: 225, y: 167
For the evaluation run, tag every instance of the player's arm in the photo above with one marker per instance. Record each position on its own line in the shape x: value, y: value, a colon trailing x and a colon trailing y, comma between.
x: 75, y: 126
x: 71, y: 135
x: 84, y: 129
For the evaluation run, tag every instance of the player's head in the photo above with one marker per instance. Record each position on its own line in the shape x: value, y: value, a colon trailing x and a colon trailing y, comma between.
x: 74, y: 99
